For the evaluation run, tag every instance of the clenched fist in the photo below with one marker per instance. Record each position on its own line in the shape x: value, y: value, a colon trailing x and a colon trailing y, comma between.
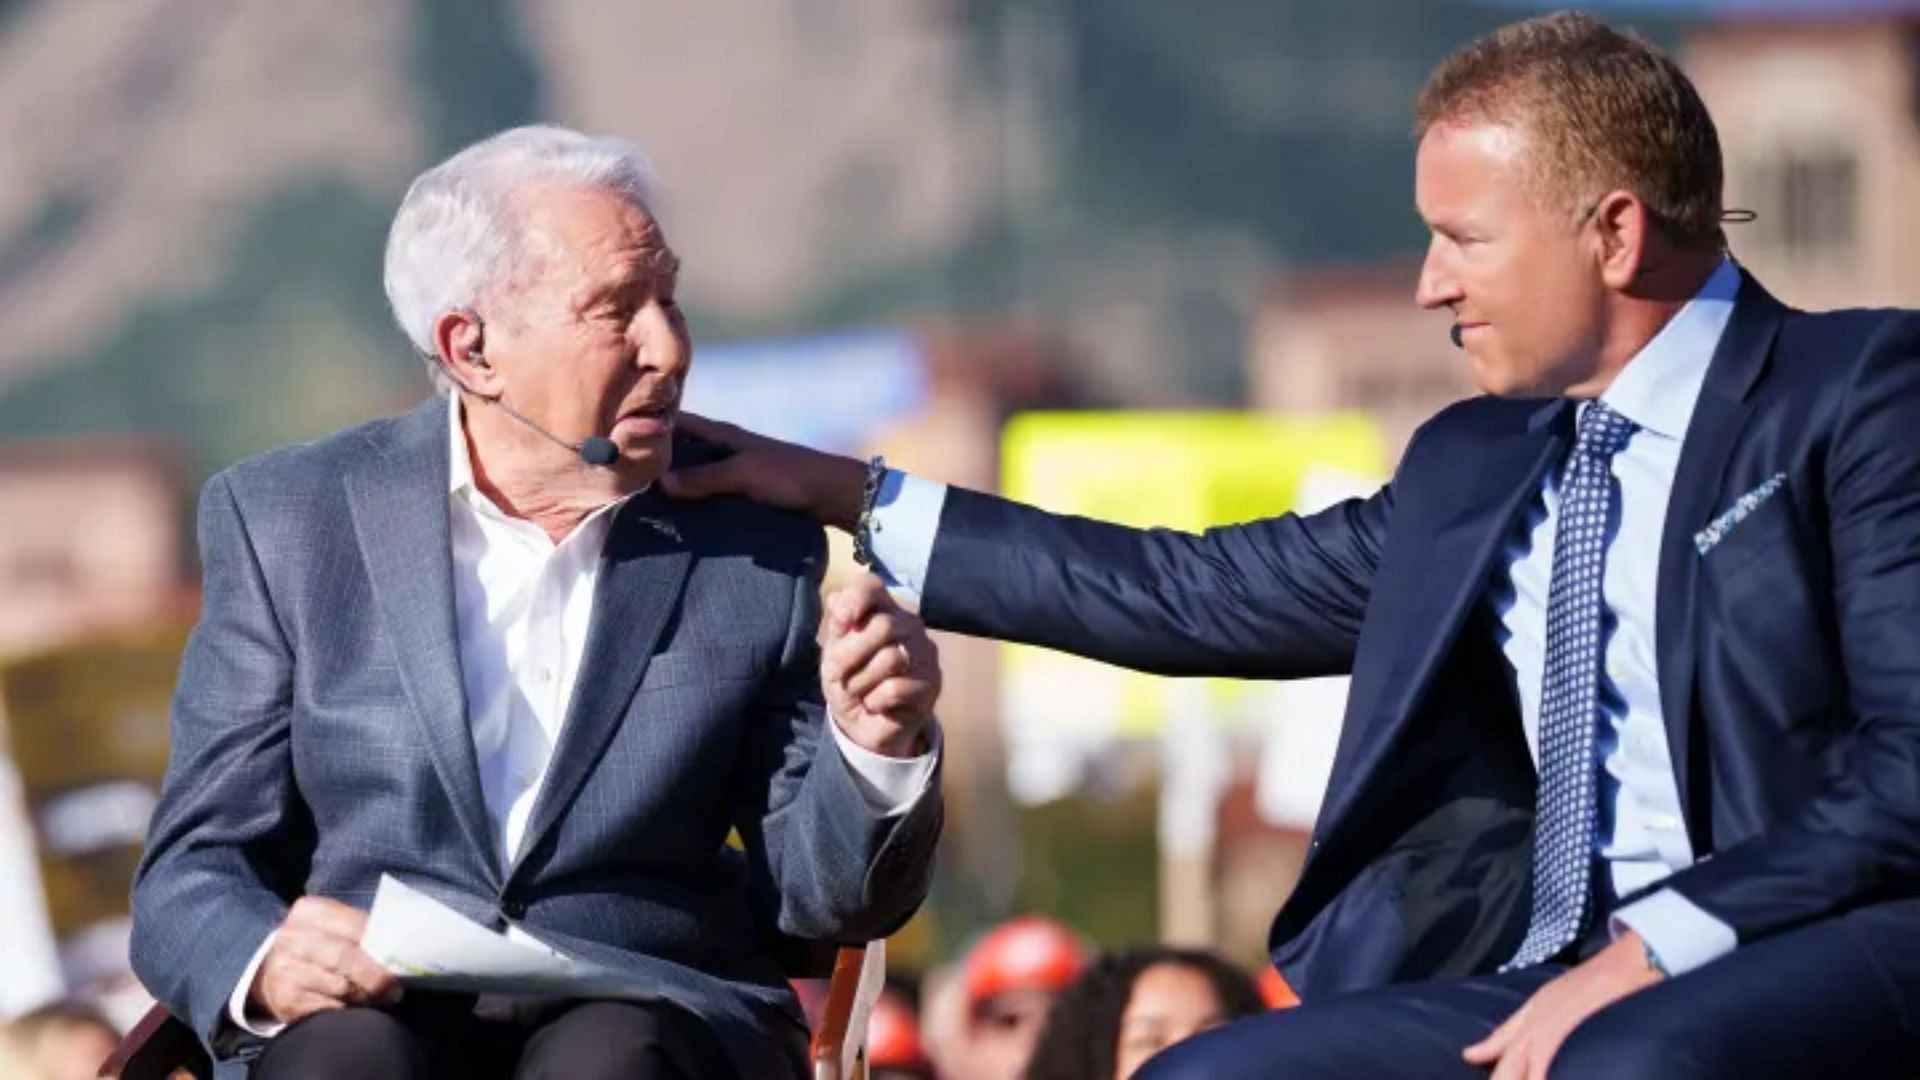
x: 879, y: 670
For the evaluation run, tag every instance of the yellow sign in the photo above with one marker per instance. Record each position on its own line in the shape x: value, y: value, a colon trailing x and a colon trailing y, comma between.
x: 1180, y: 470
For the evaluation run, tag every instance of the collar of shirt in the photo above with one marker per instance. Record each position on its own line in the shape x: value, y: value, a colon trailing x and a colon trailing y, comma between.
x: 462, y: 488
x: 1660, y: 385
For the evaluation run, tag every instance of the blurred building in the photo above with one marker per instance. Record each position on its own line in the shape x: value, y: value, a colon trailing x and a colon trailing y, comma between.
x: 1818, y: 106
x: 92, y: 539
x: 1352, y: 338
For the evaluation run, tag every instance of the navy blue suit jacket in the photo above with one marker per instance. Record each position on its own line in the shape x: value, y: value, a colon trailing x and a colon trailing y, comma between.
x: 321, y: 739
x: 1789, y: 652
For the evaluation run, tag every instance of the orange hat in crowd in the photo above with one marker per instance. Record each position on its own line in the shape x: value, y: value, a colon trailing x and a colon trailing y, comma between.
x: 1027, y: 953
x: 893, y: 1034
x: 1274, y: 989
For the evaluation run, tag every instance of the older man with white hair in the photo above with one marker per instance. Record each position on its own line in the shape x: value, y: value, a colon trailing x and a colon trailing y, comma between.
x: 471, y: 648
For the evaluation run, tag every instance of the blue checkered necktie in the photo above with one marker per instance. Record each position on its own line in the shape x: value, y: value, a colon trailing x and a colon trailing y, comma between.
x: 1566, y: 805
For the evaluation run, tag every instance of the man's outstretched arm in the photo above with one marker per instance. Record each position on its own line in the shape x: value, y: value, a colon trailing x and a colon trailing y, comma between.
x: 1278, y: 597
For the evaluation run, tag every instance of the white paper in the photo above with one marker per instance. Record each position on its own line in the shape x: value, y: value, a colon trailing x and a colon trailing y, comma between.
x: 431, y: 946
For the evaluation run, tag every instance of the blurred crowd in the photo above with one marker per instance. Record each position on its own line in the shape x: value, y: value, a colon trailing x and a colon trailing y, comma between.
x: 63, y: 1041
x: 1031, y: 999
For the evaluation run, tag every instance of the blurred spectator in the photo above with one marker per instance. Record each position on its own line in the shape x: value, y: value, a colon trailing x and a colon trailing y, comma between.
x: 943, y: 1019
x: 1131, y: 1005
x: 894, y: 1048
x: 1009, y: 981
x: 62, y: 1041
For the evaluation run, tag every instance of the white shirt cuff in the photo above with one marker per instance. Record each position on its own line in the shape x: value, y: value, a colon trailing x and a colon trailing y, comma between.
x: 264, y: 1027
x: 906, y: 515
x: 892, y: 785
x: 1679, y: 933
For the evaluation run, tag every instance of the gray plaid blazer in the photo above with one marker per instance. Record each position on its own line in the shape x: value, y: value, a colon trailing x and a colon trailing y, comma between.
x: 320, y: 739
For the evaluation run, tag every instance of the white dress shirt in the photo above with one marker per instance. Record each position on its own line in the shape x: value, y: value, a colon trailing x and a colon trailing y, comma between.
x: 522, y: 605
x: 1643, y: 837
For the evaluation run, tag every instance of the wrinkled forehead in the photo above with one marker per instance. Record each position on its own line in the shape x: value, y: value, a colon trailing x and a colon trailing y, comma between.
x: 573, y: 245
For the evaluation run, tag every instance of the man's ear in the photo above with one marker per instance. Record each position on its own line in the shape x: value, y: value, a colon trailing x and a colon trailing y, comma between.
x: 459, y: 337
x: 1623, y: 228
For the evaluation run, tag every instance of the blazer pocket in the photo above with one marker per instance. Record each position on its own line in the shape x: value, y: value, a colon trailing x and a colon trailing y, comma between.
x: 704, y: 664
x: 1768, y: 528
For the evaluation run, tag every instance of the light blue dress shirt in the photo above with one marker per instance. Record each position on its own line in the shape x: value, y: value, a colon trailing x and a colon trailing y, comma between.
x: 1643, y: 836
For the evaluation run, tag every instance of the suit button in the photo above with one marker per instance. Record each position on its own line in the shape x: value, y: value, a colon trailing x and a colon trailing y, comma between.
x: 513, y: 907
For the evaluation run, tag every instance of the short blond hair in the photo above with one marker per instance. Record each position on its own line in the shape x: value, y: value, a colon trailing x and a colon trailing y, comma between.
x: 1607, y: 108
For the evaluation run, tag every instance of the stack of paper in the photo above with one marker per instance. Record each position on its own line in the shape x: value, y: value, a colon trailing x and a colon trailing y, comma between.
x: 433, y: 947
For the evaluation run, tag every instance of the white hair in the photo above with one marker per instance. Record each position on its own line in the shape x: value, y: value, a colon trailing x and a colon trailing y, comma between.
x: 453, y: 237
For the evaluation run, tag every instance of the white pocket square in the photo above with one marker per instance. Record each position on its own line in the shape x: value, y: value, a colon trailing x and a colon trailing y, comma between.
x: 1719, y: 527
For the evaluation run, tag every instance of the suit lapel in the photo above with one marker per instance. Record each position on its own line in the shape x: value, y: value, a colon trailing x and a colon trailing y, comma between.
x: 1718, y: 419
x: 642, y: 572
x: 399, y: 507
x: 1455, y: 571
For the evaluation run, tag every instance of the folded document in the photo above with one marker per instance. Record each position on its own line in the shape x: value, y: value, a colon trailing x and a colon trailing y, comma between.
x: 433, y: 947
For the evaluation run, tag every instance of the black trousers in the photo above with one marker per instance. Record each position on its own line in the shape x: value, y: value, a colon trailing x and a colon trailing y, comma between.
x: 448, y: 1035
x: 1836, y: 998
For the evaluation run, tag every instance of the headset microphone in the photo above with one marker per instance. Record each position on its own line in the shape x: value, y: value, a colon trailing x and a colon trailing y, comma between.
x: 1454, y: 333
x: 597, y: 450
x: 594, y: 449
